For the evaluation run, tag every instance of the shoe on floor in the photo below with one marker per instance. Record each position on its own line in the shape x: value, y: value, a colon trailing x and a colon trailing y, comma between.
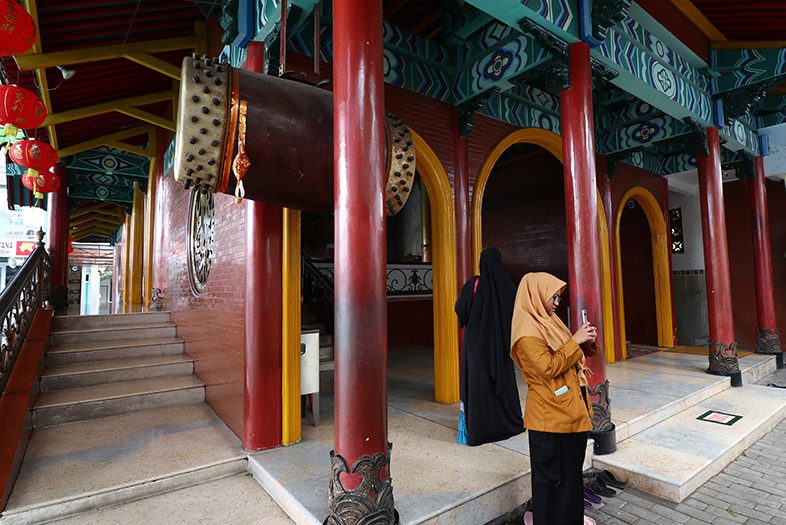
x: 589, y: 521
x: 528, y: 518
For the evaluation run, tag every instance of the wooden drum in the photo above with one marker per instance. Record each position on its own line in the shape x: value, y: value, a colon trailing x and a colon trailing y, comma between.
x: 285, y: 129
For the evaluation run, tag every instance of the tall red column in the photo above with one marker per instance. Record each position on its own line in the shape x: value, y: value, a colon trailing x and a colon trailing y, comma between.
x: 58, y: 239
x: 262, y: 388
x: 608, y: 204
x: 768, y: 336
x: 723, y: 347
x: 461, y: 194
x: 360, y: 293
x: 581, y: 207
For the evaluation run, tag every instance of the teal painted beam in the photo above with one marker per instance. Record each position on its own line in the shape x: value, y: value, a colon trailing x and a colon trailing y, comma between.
x: 640, y: 134
x: 742, y: 67
x: 561, y: 17
x: 110, y: 161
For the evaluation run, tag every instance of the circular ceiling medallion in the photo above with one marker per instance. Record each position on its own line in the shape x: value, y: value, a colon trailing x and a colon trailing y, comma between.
x: 201, y: 230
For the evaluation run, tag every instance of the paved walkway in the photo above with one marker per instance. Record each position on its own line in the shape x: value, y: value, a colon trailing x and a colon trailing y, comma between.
x: 751, y: 490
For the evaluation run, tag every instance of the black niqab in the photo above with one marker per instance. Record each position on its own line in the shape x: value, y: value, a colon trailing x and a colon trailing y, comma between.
x: 488, y: 375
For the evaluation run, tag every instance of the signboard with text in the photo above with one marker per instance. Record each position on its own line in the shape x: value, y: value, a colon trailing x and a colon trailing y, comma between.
x: 16, y: 247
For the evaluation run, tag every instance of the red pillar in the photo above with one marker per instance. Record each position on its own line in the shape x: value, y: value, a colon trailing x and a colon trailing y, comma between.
x: 608, y: 204
x: 581, y: 206
x: 262, y: 389
x: 360, y: 293
x: 58, y: 239
x: 768, y: 336
x: 723, y: 347
x: 461, y: 196
x: 461, y: 193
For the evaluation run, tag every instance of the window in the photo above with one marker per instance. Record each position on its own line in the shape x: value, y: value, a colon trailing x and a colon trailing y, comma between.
x: 677, y: 241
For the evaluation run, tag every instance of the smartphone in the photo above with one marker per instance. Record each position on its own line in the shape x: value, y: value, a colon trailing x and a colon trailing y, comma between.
x: 584, y: 319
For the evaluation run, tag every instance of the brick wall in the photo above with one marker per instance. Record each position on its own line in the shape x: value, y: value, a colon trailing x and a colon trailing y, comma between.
x: 740, y: 239
x: 637, y: 277
x: 212, y: 324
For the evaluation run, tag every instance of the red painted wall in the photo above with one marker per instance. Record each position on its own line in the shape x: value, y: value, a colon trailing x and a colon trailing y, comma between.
x: 743, y: 287
x: 637, y: 277
x: 212, y: 324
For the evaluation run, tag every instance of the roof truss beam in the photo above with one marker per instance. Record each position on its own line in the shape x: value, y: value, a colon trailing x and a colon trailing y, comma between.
x: 156, y: 64
x: 124, y: 105
x: 40, y: 74
x: 113, y: 138
x: 96, y: 54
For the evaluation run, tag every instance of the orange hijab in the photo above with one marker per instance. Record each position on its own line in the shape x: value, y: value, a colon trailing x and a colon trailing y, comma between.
x: 530, y: 317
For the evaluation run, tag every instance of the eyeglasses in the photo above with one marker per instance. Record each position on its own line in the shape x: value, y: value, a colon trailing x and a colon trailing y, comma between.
x: 556, y: 299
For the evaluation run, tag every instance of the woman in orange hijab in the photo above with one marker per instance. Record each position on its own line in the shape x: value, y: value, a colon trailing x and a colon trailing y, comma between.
x: 557, y: 413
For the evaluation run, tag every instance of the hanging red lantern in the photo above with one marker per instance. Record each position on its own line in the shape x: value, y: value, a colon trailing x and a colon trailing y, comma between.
x: 33, y: 154
x: 40, y: 182
x: 17, y: 30
x: 20, y: 108
x: 70, y: 244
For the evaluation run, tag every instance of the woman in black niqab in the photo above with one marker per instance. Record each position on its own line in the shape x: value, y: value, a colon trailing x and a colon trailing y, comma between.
x: 488, y: 377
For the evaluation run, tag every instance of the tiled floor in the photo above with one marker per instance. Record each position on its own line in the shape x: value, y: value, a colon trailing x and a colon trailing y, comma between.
x: 431, y: 474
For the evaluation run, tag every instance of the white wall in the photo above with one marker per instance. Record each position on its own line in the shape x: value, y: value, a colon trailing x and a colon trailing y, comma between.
x: 693, y: 258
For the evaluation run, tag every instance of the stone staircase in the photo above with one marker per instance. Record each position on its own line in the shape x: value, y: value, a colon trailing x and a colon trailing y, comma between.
x: 107, y: 365
x: 121, y: 417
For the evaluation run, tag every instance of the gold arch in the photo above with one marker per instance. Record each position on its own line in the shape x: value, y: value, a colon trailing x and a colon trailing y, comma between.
x: 552, y: 143
x: 660, y: 265
x: 440, y: 194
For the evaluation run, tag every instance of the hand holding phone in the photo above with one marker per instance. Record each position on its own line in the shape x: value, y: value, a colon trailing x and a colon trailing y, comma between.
x: 586, y: 333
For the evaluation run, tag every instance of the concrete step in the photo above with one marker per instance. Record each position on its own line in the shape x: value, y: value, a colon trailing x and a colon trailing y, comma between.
x: 85, y: 465
x: 106, y: 350
x: 114, y: 370
x: 234, y: 499
x: 84, y: 322
x: 675, y: 457
x: 127, y: 332
x: 90, y: 402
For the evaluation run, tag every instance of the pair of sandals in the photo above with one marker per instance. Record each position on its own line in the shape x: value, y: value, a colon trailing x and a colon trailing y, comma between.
x: 599, y: 483
x: 528, y: 519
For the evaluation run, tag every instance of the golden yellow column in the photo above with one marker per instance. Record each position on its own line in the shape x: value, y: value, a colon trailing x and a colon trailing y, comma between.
x: 150, y: 212
x: 126, y: 257
x: 290, y: 329
x: 135, y: 250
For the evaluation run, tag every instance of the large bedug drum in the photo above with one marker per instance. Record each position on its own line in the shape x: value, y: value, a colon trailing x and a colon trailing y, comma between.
x: 285, y: 129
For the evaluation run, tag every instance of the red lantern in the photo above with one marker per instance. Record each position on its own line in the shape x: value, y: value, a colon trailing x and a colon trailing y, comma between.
x: 17, y: 30
x: 40, y: 181
x: 33, y: 154
x: 20, y: 108
x: 70, y: 244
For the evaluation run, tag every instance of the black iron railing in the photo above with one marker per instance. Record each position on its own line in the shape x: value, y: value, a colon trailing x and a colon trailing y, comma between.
x: 25, y: 294
x: 318, y: 290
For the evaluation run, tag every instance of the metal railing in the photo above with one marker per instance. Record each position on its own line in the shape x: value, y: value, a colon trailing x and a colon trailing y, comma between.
x: 29, y: 289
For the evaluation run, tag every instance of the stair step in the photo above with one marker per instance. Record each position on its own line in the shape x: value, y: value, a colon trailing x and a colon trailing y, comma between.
x: 86, y: 465
x: 84, y: 322
x: 675, y: 457
x: 79, y: 404
x: 129, y: 332
x: 114, y: 370
x: 112, y: 349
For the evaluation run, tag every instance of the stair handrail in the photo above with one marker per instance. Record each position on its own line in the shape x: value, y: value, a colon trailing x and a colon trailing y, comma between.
x: 311, y: 270
x: 29, y: 290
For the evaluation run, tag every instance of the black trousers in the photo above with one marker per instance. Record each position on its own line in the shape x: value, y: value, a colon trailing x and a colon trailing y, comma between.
x: 557, y: 484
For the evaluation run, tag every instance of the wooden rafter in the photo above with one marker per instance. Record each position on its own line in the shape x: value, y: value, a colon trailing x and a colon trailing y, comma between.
x: 97, y: 218
x: 749, y: 44
x: 427, y: 20
x: 122, y: 105
x: 103, y: 140
x: 146, y: 116
x: 40, y: 73
x: 697, y: 18
x: 98, y: 53
x: 156, y: 64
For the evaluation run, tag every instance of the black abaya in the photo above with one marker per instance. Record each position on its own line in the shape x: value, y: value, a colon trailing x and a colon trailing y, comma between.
x: 488, y: 377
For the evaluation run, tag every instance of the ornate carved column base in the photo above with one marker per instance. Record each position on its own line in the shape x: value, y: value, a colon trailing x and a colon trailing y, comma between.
x: 604, y: 432
x: 723, y: 362
x: 371, y: 503
x: 768, y: 342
